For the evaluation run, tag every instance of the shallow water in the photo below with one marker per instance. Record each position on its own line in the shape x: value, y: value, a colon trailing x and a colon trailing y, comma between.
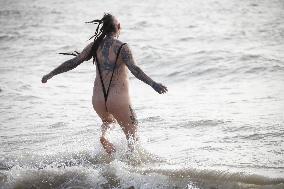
x: 221, y: 125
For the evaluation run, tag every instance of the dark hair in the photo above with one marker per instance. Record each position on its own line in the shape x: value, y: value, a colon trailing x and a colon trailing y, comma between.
x: 108, y: 26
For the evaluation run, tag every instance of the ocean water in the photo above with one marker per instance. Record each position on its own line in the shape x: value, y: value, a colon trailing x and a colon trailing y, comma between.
x: 220, y: 126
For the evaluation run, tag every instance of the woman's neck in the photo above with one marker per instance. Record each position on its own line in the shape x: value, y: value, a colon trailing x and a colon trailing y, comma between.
x: 111, y: 35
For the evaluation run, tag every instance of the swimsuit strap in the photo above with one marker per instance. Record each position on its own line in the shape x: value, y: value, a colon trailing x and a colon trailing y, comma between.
x: 106, y: 92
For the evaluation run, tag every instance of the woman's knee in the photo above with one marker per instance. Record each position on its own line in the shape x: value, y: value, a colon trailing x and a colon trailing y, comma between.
x: 109, y: 119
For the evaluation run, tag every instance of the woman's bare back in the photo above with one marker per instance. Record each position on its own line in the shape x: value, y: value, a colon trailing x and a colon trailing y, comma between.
x: 118, y: 85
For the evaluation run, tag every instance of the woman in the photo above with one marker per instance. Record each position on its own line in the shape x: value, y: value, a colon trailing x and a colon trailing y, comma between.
x: 111, y: 98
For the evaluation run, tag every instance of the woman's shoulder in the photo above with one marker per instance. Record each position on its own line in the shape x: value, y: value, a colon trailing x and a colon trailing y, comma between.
x: 118, y: 44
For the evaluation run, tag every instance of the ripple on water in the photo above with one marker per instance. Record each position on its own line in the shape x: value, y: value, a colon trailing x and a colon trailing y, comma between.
x: 208, y: 123
x: 57, y: 125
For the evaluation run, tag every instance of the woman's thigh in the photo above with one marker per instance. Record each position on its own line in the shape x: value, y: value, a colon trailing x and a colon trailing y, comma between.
x: 99, y: 107
x: 126, y: 117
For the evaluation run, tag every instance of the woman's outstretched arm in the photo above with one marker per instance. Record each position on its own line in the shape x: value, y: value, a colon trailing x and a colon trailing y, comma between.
x: 70, y: 64
x: 127, y: 58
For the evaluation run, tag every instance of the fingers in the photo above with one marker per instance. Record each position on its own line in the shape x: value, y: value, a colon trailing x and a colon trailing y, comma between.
x: 162, y: 89
x: 165, y: 89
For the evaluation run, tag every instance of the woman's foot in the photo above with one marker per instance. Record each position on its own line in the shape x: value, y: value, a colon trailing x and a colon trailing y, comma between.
x: 109, y: 147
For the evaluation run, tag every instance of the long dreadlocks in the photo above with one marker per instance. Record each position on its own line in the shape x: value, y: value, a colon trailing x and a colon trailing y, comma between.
x: 105, y: 26
x: 108, y: 26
